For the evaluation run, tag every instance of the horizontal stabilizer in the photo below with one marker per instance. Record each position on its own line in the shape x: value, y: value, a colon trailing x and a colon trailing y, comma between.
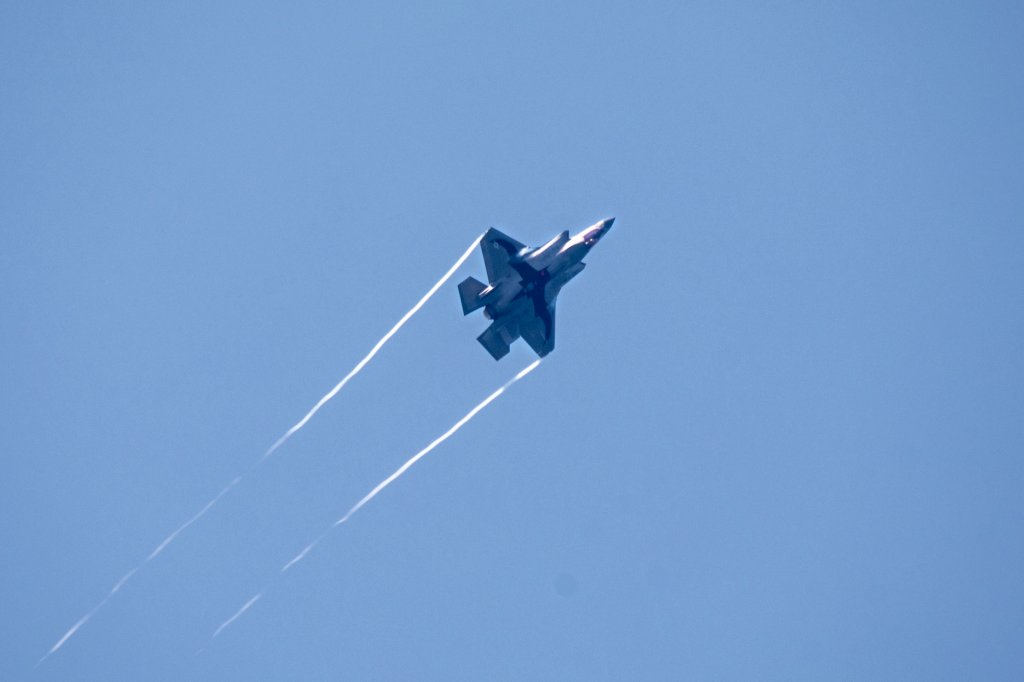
x: 497, y: 338
x: 469, y: 292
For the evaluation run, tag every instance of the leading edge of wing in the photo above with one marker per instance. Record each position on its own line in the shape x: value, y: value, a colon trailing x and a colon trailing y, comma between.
x: 498, y: 248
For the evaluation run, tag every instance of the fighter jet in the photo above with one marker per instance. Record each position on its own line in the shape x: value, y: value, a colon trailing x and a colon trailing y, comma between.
x: 523, y: 283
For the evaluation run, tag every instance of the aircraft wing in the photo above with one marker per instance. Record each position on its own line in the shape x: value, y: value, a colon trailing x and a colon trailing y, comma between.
x: 497, y: 248
x: 537, y: 326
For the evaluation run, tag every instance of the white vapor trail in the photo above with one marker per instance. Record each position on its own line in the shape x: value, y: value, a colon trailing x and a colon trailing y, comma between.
x: 412, y: 460
x: 437, y: 441
x: 238, y: 614
x: 302, y: 555
x: 385, y: 483
x: 170, y: 538
x: 72, y: 630
x: 373, y: 351
x: 127, y: 576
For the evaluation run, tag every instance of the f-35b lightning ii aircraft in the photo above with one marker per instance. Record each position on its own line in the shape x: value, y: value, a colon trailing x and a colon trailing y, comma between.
x: 523, y: 285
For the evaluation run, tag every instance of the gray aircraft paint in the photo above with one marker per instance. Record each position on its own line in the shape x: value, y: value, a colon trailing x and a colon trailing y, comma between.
x: 523, y: 285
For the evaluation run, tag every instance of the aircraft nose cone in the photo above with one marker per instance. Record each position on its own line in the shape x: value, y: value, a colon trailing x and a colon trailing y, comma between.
x: 592, y: 234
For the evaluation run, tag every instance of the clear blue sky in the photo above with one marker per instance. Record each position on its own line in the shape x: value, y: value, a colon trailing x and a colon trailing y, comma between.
x: 781, y: 435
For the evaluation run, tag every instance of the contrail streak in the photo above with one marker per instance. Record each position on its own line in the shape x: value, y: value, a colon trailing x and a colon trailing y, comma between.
x: 302, y: 555
x: 238, y: 613
x: 72, y: 630
x: 122, y: 581
x: 170, y: 538
x: 383, y: 484
x: 412, y: 460
x: 369, y: 356
x: 127, y: 576
x: 440, y: 439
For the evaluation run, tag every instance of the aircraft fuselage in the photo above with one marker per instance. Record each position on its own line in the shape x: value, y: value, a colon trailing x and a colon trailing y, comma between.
x: 523, y: 285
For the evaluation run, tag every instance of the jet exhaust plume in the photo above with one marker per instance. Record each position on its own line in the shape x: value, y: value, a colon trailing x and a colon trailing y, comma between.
x: 373, y: 351
x: 386, y: 482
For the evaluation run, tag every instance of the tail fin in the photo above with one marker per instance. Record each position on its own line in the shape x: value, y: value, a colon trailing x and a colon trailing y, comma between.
x: 496, y: 339
x: 469, y: 292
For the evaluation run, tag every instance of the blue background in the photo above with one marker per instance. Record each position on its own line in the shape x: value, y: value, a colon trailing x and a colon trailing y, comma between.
x: 780, y: 437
